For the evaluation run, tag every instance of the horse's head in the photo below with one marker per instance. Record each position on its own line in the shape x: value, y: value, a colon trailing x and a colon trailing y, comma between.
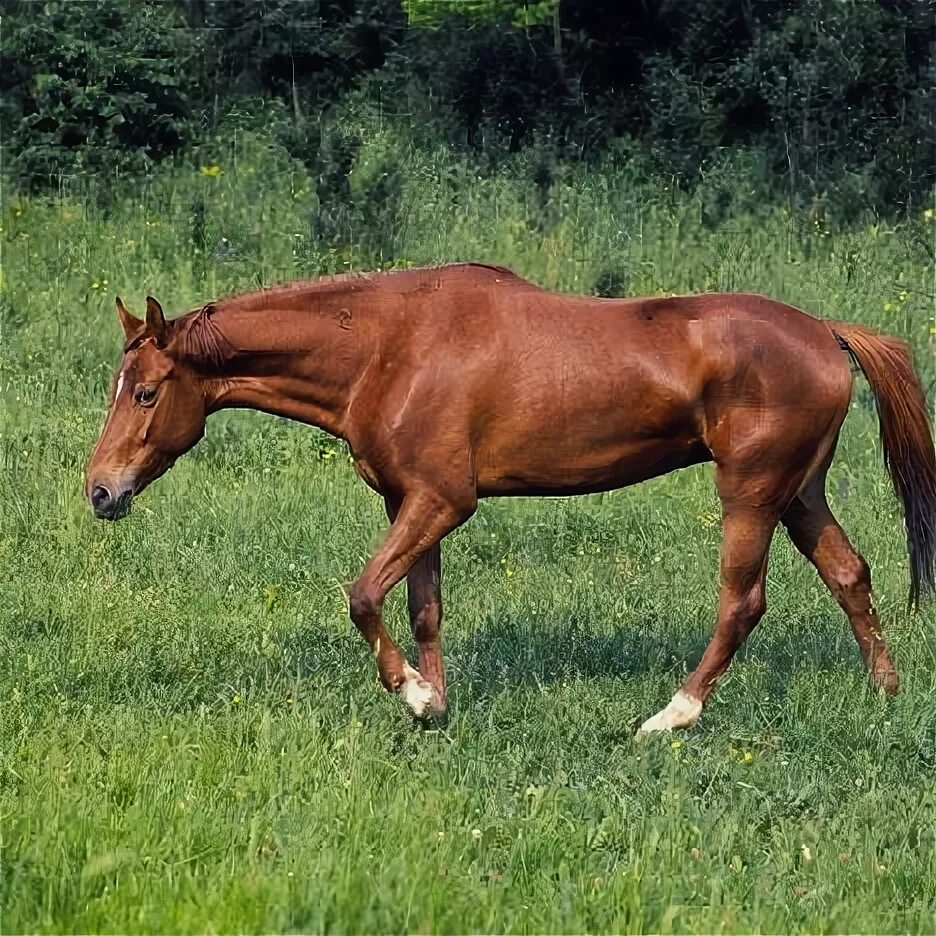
x: 157, y: 413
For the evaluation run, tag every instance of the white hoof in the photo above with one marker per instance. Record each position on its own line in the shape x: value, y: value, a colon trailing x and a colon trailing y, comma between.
x: 682, y: 712
x: 415, y: 691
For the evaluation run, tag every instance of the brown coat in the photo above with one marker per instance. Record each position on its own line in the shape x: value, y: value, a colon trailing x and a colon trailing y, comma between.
x: 466, y: 381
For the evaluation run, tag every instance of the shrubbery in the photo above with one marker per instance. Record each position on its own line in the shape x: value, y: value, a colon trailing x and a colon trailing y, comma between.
x: 94, y: 87
x: 828, y: 103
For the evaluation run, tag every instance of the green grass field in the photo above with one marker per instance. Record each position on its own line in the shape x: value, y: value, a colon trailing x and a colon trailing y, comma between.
x: 193, y: 736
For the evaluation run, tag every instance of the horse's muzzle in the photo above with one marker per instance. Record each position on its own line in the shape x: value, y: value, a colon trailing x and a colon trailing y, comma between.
x: 108, y: 506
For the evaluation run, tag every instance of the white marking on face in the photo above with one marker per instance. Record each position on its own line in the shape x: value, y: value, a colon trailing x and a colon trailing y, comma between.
x: 415, y: 691
x: 682, y: 712
x: 120, y: 382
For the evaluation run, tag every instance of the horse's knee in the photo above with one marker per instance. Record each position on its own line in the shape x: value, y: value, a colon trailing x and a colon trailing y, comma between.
x: 754, y: 605
x: 426, y: 621
x: 745, y: 608
x: 759, y: 602
x: 364, y: 604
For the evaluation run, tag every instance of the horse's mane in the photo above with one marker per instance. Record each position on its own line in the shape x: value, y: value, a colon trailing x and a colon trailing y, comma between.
x: 351, y: 280
x: 203, y: 340
x: 337, y: 282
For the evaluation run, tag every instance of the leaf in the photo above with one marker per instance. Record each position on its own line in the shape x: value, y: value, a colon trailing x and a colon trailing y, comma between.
x: 270, y: 594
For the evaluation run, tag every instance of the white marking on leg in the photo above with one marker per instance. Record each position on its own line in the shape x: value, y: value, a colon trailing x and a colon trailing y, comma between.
x: 682, y: 712
x: 415, y: 691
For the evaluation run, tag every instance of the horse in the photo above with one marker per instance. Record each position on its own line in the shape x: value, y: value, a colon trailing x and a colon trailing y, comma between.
x: 463, y: 381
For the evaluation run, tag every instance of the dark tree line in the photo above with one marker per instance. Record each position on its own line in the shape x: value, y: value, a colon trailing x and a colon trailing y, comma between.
x: 826, y: 96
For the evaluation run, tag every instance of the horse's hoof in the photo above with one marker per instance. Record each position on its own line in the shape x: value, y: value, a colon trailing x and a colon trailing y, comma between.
x: 652, y: 726
x: 415, y: 691
x: 887, y: 680
x: 682, y: 712
x: 436, y: 713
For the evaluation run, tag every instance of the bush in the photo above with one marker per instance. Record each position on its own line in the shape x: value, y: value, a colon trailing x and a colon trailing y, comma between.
x: 835, y: 96
x: 93, y: 87
x: 829, y: 103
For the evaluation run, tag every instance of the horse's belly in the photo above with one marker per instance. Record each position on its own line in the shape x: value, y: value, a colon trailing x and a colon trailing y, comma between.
x: 590, y: 469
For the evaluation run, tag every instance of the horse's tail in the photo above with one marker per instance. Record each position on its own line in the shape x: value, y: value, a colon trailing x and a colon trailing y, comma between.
x: 907, y: 441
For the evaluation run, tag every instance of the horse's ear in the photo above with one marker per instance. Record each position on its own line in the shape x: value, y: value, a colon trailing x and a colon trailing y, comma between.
x: 155, y: 320
x: 130, y: 324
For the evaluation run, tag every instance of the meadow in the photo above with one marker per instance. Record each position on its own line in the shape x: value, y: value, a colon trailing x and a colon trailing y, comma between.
x: 193, y: 736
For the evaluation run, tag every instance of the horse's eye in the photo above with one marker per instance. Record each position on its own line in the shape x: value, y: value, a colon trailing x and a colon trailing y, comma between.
x: 145, y: 395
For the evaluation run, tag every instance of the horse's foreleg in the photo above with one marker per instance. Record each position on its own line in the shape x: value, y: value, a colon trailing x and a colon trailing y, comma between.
x: 746, y: 540
x: 425, y: 611
x: 422, y: 519
x: 424, y: 601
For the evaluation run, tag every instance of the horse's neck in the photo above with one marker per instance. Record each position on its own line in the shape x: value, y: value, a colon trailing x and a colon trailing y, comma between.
x: 299, y: 361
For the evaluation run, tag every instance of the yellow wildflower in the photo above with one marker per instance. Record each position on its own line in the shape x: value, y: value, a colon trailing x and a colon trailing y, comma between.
x: 213, y: 171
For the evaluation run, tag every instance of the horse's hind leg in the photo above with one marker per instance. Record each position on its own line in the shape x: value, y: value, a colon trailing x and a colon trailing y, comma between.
x: 754, y: 492
x: 424, y: 603
x: 817, y: 535
x: 746, y: 541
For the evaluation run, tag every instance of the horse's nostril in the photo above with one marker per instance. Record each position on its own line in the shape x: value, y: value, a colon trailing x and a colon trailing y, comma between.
x: 99, y: 496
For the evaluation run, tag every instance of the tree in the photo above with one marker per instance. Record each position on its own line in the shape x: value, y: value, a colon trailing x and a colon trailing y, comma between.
x: 94, y: 86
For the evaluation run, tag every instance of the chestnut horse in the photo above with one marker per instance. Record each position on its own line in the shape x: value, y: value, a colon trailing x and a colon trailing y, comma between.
x: 465, y: 381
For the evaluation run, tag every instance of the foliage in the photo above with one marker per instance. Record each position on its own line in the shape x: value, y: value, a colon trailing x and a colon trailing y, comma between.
x: 835, y: 95
x: 305, y: 51
x: 93, y: 87
x: 519, y: 13
x: 831, y: 101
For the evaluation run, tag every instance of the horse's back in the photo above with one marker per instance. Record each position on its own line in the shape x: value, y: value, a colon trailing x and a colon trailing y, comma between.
x: 644, y: 386
x: 516, y: 338
x: 543, y: 392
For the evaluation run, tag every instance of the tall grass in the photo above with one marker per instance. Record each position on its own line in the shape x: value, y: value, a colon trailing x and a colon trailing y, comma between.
x: 193, y: 737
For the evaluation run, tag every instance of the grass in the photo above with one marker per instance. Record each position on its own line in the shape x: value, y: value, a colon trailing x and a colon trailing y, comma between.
x: 193, y: 736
